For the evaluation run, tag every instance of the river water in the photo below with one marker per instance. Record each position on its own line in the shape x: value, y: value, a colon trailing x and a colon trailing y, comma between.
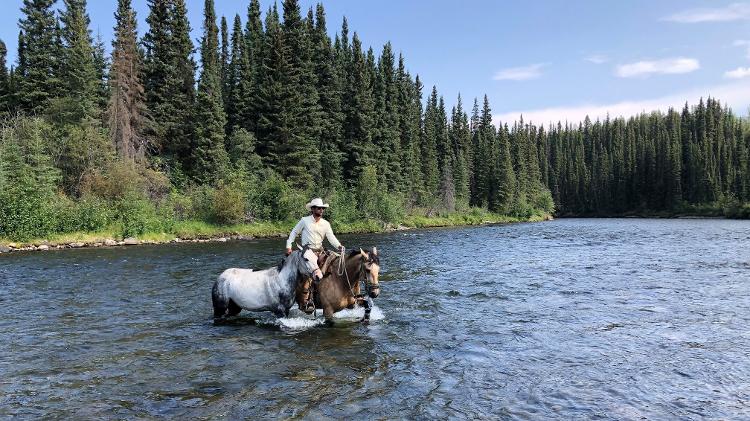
x: 569, y: 319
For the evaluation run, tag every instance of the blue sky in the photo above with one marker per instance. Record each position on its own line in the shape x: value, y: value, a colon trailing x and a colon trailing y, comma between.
x: 549, y: 60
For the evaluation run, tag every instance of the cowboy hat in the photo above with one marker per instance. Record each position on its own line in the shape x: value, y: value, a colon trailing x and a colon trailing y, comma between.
x: 317, y: 202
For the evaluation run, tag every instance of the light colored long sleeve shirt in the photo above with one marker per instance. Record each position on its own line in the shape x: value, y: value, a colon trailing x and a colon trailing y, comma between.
x: 313, y: 232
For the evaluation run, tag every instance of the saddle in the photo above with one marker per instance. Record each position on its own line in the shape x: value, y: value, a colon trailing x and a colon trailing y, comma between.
x: 325, y: 259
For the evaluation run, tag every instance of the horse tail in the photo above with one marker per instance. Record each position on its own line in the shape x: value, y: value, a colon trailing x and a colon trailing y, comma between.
x: 219, y: 297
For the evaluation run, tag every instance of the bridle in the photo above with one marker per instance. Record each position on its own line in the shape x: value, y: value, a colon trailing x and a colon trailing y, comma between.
x: 362, y: 268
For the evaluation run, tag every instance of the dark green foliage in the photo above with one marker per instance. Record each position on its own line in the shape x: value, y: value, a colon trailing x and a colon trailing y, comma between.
x: 169, y: 78
x: 27, y: 180
x: 80, y: 79
x: 234, y: 97
x: 241, y: 149
x: 386, y: 137
x: 250, y: 66
x: 460, y: 144
x: 648, y: 163
x: 434, y: 130
x: 288, y: 127
x: 358, y: 108
x: 39, y: 54
x: 329, y: 88
x: 4, y: 80
x: 210, y: 160
x: 101, y: 66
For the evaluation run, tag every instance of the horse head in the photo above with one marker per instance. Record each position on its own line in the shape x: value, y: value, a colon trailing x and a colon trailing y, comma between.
x: 371, y: 265
x: 308, y: 265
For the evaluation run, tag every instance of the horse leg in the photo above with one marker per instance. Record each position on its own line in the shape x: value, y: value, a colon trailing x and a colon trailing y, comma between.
x: 281, y: 311
x: 368, y: 309
x: 219, y: 301
x: 233, y: 309
x: 328, y: 314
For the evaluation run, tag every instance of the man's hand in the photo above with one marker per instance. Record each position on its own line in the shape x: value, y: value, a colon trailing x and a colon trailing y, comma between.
x: 288, y: 251
x: 341, y: 249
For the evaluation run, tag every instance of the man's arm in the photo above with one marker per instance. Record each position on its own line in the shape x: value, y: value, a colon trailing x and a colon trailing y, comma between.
x: 295, y: 232
x: 332, y: 238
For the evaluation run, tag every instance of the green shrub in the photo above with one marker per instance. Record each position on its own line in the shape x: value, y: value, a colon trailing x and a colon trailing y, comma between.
x: 390, y: 208
x: 228, y: 205
x: 26, y: 214
x: 181, y: 205
x: 138, y: 215
x: 93, y: 214
x: 343, y: 208
x: 28, y: 180
x: 274, y: 200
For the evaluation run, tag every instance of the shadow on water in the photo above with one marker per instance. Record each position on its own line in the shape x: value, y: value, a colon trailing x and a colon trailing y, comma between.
x: 571, y: 319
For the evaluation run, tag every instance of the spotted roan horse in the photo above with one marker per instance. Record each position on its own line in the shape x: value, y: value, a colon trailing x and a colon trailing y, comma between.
x: 266, y: 290
x: 340, y: 286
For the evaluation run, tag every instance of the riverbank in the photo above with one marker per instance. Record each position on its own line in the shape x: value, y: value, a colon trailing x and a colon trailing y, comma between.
x: 203, y: 232
x: 718, y: 210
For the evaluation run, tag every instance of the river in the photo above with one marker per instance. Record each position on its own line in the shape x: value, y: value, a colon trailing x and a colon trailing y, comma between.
x: 568, y: 319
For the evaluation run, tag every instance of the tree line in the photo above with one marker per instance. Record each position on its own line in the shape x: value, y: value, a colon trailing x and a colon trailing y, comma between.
x: 650, y: 162
x: 275, y: 109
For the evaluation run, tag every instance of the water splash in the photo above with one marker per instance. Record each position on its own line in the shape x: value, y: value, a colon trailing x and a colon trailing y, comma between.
x: 299, y: 321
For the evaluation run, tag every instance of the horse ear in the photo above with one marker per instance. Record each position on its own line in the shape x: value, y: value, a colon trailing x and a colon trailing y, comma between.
x: 361, y: 251
x: 375, y: 251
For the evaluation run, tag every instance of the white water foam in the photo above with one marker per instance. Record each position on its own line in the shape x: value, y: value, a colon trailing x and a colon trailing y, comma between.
x: 300, y: 321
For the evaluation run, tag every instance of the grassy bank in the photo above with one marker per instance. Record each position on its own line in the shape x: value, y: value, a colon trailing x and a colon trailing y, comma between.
x: 185, y: 231
x: 728, y: 209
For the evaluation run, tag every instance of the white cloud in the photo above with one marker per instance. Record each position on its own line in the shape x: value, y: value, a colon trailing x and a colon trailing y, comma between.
x: 735, y: 94
x: 734, y: 11
x: 533, y: 71
x: 738, y: 73
x: 665, y: 66
x: 597, y: 59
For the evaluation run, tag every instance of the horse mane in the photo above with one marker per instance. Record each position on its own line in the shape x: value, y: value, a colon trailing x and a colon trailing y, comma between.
x: 285, y: 258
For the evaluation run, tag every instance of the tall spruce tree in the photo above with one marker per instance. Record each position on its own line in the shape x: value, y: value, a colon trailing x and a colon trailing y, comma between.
x: 358, y: 109
x: 225, y: 59
x: 303, y: 97
x: 101, y: 65
x: 428, y: 147
x: 182, y: 92
x: 408, y: 128
x: 79, y: 79
x: 127, y: 110
x: 157, y: 69
x: 251, y: 64
x: 38, y: 75
x: 460, y: 141
x: 210, y: 157
x: 4, y: 80
x: 234, y: 99
x: 502, y: 190
x: 386, y: 136
x: 329, y: 98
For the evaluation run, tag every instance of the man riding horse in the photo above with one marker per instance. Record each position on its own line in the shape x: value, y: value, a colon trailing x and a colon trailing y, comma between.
x: 314, y: 229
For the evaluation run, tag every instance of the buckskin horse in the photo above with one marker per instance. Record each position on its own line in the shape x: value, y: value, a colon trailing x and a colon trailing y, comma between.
x: 271, y: 289
x: 340, y: 286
